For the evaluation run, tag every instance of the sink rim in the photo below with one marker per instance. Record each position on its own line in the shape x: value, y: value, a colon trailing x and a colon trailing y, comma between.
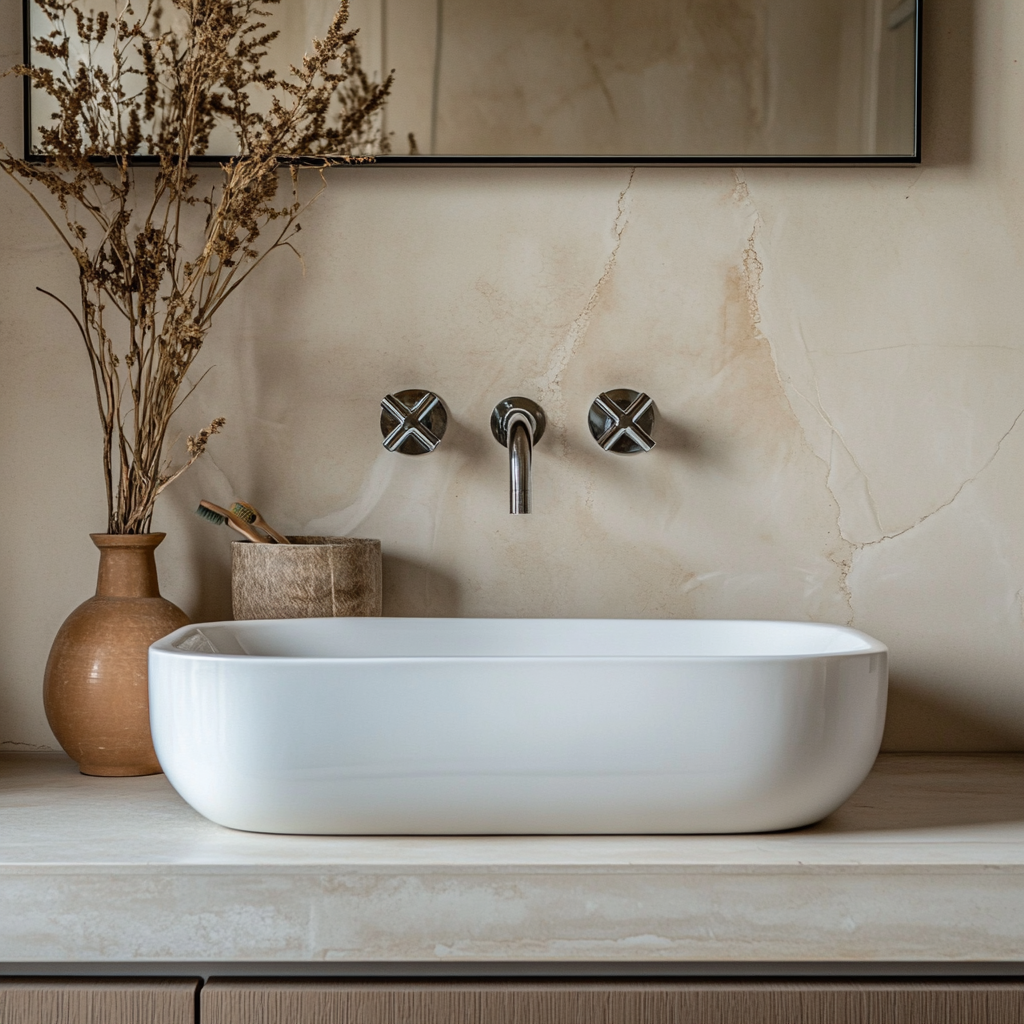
x: 168, y: 645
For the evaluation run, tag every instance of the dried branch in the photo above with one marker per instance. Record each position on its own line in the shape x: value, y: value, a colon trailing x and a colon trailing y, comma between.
x: 138, y: 77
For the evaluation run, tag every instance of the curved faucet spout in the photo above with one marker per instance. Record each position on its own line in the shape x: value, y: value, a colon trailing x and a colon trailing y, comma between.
x: 518, y: 424
x: 520, y: 462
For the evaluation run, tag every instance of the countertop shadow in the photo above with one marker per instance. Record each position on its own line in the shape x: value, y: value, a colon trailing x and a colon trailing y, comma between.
x: 906, y: 792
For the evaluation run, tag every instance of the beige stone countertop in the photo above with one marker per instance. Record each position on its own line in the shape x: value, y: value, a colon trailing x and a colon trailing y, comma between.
x: 925, y: 863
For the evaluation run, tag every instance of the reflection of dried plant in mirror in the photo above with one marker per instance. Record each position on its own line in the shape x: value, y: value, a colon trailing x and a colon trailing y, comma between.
x: 160, y: 248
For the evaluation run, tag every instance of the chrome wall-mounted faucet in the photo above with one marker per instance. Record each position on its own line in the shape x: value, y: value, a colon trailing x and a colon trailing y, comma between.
x: 518, y: 424
x: 622, y: 421
x: 412, y: 422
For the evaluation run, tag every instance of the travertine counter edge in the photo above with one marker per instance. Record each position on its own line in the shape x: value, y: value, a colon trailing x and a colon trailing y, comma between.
x: 924, y: 865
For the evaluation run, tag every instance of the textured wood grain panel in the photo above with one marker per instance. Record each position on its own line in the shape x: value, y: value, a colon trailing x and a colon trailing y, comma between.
x: 106, y: 1001
x: 318, y: 1002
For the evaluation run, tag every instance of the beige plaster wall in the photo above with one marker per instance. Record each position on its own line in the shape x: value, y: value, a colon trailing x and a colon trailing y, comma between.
x: 837, y: 356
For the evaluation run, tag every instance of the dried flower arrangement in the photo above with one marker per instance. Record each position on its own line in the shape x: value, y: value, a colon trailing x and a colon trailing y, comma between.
x: 160, y: 246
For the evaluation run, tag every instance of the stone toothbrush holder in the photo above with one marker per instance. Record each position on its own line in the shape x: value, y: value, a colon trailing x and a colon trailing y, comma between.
x: 312, y: 577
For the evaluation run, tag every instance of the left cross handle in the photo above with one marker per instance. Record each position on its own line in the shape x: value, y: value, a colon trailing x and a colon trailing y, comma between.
x: 412, y: 422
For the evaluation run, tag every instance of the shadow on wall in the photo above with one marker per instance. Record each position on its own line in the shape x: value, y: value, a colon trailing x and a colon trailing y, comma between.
x: 412, y: 587
x: 470, y: 440
x: 681, y: 440
x: 211, y: 571
x: 951, y: 725
x: 948, y: 72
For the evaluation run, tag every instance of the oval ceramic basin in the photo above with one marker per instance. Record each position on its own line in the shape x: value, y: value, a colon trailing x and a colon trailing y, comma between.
x: 356, y: 726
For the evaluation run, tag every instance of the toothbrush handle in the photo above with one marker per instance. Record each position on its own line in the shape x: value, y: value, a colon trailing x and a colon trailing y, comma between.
x: 264, y: 525
x: 245, y: 530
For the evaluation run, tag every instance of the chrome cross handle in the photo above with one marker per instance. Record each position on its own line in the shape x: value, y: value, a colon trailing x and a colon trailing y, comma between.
x: 412, y: 422
x: 622, y: 421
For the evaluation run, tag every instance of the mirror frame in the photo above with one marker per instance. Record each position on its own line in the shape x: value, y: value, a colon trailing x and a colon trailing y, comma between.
x: 424, y: 160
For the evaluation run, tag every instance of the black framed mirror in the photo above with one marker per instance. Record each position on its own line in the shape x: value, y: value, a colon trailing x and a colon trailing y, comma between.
x: 620, y: 81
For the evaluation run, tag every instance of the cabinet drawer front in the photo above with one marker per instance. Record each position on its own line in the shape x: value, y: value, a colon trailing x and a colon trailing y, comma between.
x: 103, y: 1001
x: 325, y: 1002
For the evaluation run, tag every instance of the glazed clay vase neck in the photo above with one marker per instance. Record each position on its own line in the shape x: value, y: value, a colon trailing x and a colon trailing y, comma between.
x: 96, y: 688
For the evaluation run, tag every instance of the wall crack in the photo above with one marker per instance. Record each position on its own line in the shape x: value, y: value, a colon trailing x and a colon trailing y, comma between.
x: 753, y: 268
x: 566, y: 349
x: 956, y: 494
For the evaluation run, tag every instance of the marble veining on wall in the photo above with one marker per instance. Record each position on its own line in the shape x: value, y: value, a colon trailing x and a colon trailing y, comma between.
x: 836, y: 356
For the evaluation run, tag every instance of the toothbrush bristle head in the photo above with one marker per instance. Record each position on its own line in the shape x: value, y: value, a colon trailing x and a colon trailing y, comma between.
x: 244, y: 511
x: 213, y: 517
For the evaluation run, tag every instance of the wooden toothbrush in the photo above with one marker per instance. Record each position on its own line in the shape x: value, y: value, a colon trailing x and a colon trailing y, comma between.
x: 221, y: 516
x: 251, y: 515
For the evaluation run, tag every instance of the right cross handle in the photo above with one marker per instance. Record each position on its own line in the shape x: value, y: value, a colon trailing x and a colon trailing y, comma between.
x: 622, y: 421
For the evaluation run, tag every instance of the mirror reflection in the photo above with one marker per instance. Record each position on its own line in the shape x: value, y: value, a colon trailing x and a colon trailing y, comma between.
x: 652, y: 77
x: 619, y: 78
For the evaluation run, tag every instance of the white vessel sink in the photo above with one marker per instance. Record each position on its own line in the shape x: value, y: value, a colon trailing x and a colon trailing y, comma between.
x: 356, y: 726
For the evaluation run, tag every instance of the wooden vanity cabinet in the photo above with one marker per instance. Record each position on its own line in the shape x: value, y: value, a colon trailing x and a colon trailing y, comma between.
x: 99, y: 1001
x: 245, y: 1001
x: 591, y: 1002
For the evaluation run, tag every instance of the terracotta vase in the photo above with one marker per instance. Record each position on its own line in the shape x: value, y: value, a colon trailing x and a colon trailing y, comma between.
x: 96, y: 688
